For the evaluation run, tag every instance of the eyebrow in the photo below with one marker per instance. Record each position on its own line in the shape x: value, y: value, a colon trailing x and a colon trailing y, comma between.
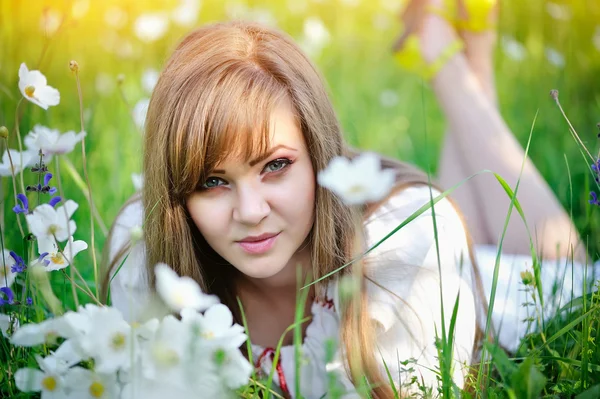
x: 262, y: 157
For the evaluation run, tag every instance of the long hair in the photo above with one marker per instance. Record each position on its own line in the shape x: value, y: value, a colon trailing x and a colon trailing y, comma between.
x: 216, y: 95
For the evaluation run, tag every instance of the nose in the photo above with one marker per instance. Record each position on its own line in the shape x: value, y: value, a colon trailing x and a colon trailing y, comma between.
x: 252, y: 206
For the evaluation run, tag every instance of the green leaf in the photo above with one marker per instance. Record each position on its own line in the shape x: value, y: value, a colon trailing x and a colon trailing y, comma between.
x: 592, y: 393
x: 528, y: 382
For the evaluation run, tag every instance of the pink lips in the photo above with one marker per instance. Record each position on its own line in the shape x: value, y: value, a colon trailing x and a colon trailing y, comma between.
x: 260, y: 246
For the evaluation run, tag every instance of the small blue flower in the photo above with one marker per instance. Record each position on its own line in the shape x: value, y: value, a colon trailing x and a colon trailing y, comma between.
x: 24, y: 207
x: 29, y: 301
x: 19, y: 265
x: 47, y: 178
x: 54, y: 200
x: 594, y: 200
x: 10, y: 297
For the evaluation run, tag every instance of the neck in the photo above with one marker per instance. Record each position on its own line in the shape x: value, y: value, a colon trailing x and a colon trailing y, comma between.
x: 282, y: 286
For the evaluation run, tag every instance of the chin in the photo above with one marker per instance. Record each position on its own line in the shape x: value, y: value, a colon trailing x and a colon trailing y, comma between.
x: 261, y: 268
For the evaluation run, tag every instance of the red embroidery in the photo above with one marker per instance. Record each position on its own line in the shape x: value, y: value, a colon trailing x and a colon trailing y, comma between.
x: 271, y: 353
x: 325, y: 302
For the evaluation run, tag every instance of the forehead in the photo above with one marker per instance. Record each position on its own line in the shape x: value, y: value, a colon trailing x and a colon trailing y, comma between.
x: 283, y: 131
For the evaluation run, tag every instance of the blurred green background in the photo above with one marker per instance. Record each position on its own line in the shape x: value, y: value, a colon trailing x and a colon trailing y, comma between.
x: 542, y: 45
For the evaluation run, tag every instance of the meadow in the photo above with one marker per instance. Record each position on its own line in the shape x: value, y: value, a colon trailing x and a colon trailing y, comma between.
x: 119, y: 46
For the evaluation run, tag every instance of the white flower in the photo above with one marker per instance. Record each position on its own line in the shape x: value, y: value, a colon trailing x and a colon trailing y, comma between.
x: 55, y: 260
x: 216, y: 326
x: 233, y: 368
x: 151, y: 27
x: 179, y: 293
x: 554, y: 57
x: 5, y: 167
x: 7, y: 276
x: 50, y: 141
x: 33, y: 334
x: 186, y: 13
x: 109, y: 340
x: 316, y: 36
x: 49, y: 380
x: 167, y: 354
x: 8, y: 323
x: 358, y: 181
x: 34, y: 87
x: 138, y: 181
x: 46, y: 222
x: 149, y: 79
x: 140, y: 109
x: 513, y: 49
x: 86, y: 384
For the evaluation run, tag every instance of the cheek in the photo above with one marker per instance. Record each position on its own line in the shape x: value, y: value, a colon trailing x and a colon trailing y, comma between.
x: 297, y: 198
x: 210, y: 220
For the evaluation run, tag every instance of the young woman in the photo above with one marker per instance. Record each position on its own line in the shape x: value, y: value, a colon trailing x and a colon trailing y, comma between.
x: 238, y: 126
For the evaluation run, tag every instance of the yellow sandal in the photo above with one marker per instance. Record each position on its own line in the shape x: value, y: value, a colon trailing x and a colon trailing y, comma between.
x: 466, y: 15
x: 407, y: 49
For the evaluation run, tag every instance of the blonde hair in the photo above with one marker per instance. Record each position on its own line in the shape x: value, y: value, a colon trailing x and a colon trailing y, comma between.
x: 218, y: 88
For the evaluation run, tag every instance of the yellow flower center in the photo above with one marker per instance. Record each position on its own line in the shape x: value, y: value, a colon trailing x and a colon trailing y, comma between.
x: 356, y: 189
x: 29, y: 90
x: 96, y: 389
x: 57, y: 259
x: 118, y: 341
x: 49, y: 383
x: 164, y: 355
x: 52, y: 229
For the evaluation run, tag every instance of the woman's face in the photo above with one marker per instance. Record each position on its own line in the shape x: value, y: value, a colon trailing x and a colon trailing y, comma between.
x: 272, y: 197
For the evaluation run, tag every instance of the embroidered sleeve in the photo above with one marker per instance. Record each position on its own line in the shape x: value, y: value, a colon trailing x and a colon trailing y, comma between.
x: 409, y: 289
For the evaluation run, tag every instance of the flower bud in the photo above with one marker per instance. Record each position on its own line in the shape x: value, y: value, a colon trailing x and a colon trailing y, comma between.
x: 3, y: 132
x: 554, y: 94
x: 73, y: 66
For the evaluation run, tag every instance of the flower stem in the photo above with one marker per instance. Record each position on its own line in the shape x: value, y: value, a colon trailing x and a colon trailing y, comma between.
x: 12, y: 169
x: 17, y: 122
x: 87, y: 179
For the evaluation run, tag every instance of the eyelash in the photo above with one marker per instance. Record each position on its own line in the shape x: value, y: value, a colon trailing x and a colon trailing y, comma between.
x: 286, y: 163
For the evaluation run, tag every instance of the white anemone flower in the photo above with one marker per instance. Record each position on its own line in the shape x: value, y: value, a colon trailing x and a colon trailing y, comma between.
x: 55, y: 260
x: 7, y: 276
x: 34, y: 87
x: 140, y: 109
x: 186, y: 13
x: 151, y: 27
x: 50, y: 141
x: 232, y: 367
x: 109, y: 341
x: 49, y: 380
x: 216, y: 326
x: 358, y: 181
x: 179, y: 293
x: 86, y: 384
x: 166, y: 356
x: 149, y: 79
x: 20, y: 160
x: 49, y: 330
x: 46, y: 222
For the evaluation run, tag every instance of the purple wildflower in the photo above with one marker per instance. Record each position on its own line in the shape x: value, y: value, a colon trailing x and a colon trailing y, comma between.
x: 19, y: 265
x: 29, y: 301
x: 594, y: 200
x: 47, y: 188
x: 10, y: 297
x: 24, y: 207
x: 54, y: 200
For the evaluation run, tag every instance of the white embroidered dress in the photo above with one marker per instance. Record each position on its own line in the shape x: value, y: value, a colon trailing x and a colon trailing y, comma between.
x: 405, y: 298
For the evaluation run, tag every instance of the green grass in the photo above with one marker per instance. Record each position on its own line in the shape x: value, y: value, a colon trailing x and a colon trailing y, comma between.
x: 559, y: 360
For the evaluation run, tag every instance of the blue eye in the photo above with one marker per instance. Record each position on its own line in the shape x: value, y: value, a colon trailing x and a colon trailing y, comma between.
x: 277, y: 165
x: 211, y: 182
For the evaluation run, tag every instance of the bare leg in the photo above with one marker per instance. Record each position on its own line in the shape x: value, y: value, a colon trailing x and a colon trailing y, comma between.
x: 483, y: 141
x: 479, y: 55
